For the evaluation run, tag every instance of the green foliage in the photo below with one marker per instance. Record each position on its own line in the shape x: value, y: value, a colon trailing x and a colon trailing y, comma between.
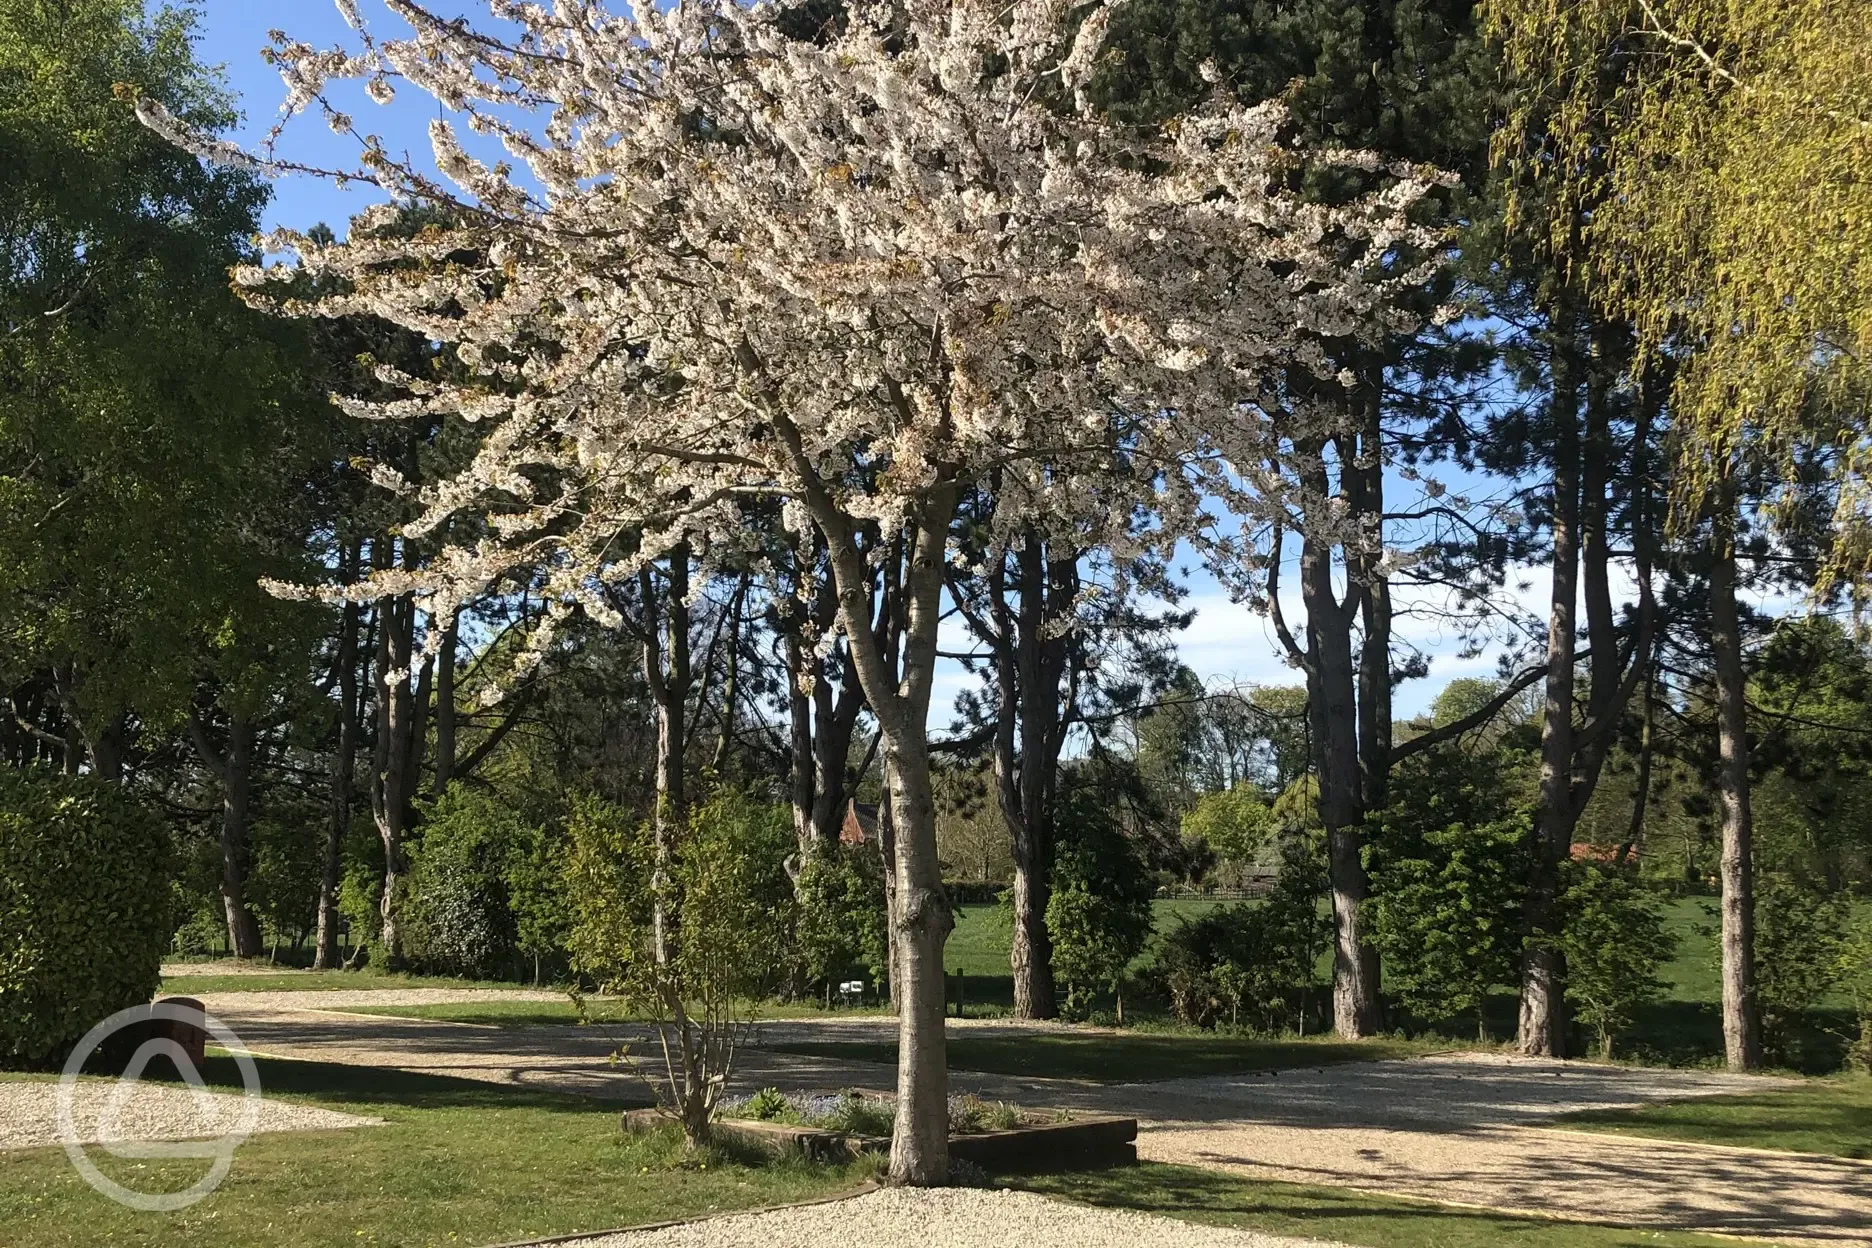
x: 726, y: 892
x: 1236, y: 823
x: 283, y: 883
x: 535, y: 875
x: 841, y: 926
x: 1446, y: 917
x: 1254, y: 955
x: 768, y: 1104
x: 1855, y: 976
x: 1099, y: 915
x: 84, y: 910
x: 1615, y: 942
x: 1801, y: 940
x: 458, y: 915
x: 156, y: 435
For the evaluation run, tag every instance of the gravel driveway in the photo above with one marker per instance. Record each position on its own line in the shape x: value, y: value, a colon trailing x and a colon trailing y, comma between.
x: 147, y: 1111
x: 1462, y: 1128
x: 949, y: 1218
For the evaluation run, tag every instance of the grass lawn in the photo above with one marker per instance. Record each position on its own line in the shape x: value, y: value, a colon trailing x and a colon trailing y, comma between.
x: 1339, y: 1214
x: 288, y: 980
x: 1125, y: 1057
x: 1831, y: 1116
x: 457, y: 1163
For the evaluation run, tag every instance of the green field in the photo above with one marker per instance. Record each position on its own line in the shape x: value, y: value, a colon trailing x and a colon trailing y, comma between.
x: 456, y: 1162
x: 1831, y: 1116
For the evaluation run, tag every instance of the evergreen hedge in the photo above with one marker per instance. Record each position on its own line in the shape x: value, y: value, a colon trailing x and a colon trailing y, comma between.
x: 85, y: 900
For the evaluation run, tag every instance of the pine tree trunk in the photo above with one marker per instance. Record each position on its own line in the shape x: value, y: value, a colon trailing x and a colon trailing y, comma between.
x: 1542, y: 1025
x: 325, y: 954
x: 236, y: 848
x: 1740, y: 1012
x: 396, y: 625
x: 1333, y: 714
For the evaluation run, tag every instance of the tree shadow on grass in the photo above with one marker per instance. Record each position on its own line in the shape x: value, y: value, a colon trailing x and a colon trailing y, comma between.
x: 338, y: 1083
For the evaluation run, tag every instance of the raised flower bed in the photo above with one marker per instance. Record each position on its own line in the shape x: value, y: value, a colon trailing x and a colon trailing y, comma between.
x: 992, y: 1134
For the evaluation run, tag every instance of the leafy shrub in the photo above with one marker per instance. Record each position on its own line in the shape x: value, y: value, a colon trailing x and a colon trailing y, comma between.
x: 1446, y: 917
x: 970, y: 1114
x: 767, y: 1105
x: 457, y: 915
x: 726, y: 903
x: 1856, y: 978
x: 85, y: 910
x: 1099, y: 915
x: 1801, y: 934
x: 840, y: 891
x: 1615, y: 941
x: 1258, y: 955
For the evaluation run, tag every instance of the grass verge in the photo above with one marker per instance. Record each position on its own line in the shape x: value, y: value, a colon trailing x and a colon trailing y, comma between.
x: 456, y: 1163
x: 1828, y: 1116
x: 1121, y: 1057
x: 315, y: 981
x: 1338, y: 1214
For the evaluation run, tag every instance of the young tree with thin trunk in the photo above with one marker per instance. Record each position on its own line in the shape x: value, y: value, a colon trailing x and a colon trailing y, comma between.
x: 858, y: 271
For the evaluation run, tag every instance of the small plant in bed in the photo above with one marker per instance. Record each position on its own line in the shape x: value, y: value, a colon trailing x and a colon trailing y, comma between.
x: 854, y: 1113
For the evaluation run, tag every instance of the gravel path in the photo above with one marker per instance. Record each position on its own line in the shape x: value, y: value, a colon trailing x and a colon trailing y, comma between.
x: 949, y: 1218
x: 149, y: 1111
x: 1461, y: 1128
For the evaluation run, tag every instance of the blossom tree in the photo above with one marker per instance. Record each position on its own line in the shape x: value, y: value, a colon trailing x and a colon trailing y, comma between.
x: 859, y: 263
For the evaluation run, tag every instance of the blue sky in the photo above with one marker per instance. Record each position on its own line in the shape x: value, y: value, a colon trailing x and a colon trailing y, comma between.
x: 1226, y: 644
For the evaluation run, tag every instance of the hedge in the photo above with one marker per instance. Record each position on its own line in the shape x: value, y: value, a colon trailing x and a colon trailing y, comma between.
x: 85, y: 875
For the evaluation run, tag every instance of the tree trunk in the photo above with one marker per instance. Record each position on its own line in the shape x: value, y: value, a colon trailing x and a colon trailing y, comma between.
x: 921, y: 921
x: 325, y: 954
x: 1542, y: 1025
x: 236, y: 848
x: 396, y: 626
x: 668, y: 673
x: 1332, y: 711
x: 445, y: 707
x: 1740, y: 1012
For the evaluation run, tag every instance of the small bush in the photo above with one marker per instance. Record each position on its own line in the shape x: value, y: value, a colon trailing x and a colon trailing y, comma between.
x: 1099, y: 915
x: 767, y: 1105
x: 1446, y: 917
x: 841, y: 924
x: 457, y: 913
x: 1615, y: 941
x: 85, y: 910
x: 1253, y: 956
x: 1801, y: 939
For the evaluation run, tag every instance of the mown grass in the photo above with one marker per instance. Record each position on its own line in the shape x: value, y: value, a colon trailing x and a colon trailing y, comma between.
x: 456, y: 1163
x: 1338, y: 1214
x: 288, y: 980
x: 1124, y: 1057
x: 1830, y: 1116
